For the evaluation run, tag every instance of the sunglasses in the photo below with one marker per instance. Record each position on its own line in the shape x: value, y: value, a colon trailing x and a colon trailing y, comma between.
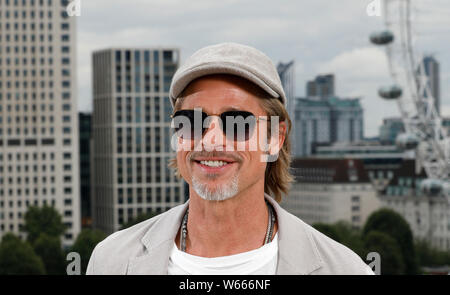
x: 236, y: 125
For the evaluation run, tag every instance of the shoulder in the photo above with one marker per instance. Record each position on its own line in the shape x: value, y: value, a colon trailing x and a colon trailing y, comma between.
x: 334, y: 258
x: 111, y: 255
x: 337, y: 258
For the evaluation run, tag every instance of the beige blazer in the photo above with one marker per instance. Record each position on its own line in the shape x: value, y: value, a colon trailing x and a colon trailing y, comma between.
x: 145, y: 248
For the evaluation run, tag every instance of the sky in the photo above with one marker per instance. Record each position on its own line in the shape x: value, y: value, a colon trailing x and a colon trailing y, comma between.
x: 321, y: 36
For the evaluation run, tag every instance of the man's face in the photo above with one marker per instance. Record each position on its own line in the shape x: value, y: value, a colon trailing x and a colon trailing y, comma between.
x: 214, y: 172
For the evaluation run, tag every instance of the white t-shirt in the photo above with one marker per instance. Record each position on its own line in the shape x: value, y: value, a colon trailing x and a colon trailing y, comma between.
x: 261, y: 261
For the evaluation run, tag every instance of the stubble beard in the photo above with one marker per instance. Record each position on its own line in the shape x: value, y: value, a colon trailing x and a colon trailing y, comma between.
x: 220, y: 192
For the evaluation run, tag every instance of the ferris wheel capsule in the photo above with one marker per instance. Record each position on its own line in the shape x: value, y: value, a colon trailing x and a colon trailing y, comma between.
x: 381, y: 38
x: 390, y: 92
x: 431, y: 187
x: 406, y: 141
x: 446, y: 188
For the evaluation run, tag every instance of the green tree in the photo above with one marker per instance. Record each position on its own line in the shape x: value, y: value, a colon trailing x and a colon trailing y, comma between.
x: 18, y: 258
x: 85, y: 243
x: 50, y: 250
x: 430, y: 256
x: 351, y: 237
x: 391, y: 223
x: 138, y: 219
x: 344, y: 233
x: 328, y: 230
x: 43, y: 220
x: 389, y: 250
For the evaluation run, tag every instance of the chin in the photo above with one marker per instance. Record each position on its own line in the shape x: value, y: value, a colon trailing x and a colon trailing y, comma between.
x: 216, y: 192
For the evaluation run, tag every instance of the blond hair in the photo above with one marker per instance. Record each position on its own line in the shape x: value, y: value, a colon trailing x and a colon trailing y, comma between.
x: 277, y: 177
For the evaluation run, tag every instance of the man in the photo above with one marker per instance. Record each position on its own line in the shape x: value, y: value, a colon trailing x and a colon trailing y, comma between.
x: 226, y: 98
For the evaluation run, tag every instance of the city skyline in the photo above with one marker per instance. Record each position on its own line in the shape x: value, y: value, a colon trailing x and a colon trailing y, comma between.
x: 284, y: 32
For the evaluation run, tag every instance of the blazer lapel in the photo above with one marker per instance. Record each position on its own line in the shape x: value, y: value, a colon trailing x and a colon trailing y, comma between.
x: 297, y: 250
x: 158, y: 242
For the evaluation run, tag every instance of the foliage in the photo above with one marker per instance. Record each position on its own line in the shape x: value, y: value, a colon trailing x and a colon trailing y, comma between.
x: 351, y: 237
x: 391, y: 223
x: 389, y: 250
x: 43, y: 220
x: 50, y: 250
x: 18, y: 258
x: 429, y: 256
x: 342, y: 232
x: 85, y: 244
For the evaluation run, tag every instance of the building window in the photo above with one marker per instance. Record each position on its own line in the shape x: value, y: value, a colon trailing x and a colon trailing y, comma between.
x: 355, y: 198
x: 355, y: 218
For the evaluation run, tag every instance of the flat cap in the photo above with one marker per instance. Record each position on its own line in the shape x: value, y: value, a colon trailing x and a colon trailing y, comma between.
x: 229, y: 58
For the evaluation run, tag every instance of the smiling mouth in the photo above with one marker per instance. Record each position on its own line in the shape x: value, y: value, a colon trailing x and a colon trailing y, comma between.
x: 213, y: 165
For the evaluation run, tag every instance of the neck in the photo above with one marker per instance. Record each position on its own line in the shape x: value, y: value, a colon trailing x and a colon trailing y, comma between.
x: 221, y: 228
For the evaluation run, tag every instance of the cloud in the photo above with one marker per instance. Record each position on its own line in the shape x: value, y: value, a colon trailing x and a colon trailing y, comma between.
x: 320, y: 35
x: 445, y: 111
x: 358, y: 64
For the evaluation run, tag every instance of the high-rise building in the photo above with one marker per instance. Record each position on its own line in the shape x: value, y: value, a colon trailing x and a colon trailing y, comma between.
x: 132, y: 135
x: 431, y: 67
x: 38, y: 113
x: 390, y: 129
x: 323, y: 118
x: 326, y: 121
x: 85, y: 168
x: 287, y: 77
x: 286, y: 71
x: 321, y: 87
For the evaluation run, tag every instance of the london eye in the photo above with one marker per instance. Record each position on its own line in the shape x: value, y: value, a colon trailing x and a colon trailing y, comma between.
x: 411, y: 90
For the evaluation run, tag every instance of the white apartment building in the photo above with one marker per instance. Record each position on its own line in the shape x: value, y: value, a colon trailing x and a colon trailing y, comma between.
x: 38, y: 113
x: 331, y: 190
x: 132, y: 135
x: 427, y: 216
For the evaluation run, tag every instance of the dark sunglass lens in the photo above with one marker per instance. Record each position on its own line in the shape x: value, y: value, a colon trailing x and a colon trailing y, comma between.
x: 184, y: 122
x: 238, y: 125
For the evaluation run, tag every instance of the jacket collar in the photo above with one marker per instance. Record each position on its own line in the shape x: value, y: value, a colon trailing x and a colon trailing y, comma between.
x: 297, y: 250
x: 158, y: 242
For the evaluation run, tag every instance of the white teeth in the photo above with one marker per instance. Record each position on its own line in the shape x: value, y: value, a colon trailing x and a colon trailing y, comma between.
x: 213, y: 163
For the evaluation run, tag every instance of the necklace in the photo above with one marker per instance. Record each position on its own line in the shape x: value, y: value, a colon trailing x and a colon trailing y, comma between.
x: 269, y: 232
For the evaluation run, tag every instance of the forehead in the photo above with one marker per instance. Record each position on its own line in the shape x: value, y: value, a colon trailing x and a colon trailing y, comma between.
x: 216, y: 93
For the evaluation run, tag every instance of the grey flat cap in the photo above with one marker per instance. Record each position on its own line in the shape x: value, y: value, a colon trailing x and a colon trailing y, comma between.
x: 229, y: 58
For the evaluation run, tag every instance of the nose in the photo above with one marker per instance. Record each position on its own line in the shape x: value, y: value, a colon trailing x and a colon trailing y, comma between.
x: 213, y: 138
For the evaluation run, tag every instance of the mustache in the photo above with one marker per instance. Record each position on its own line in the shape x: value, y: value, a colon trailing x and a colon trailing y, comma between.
x: 229, y: 155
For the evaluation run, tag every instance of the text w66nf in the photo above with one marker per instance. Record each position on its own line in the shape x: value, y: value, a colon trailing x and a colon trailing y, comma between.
x: 246, y: 284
